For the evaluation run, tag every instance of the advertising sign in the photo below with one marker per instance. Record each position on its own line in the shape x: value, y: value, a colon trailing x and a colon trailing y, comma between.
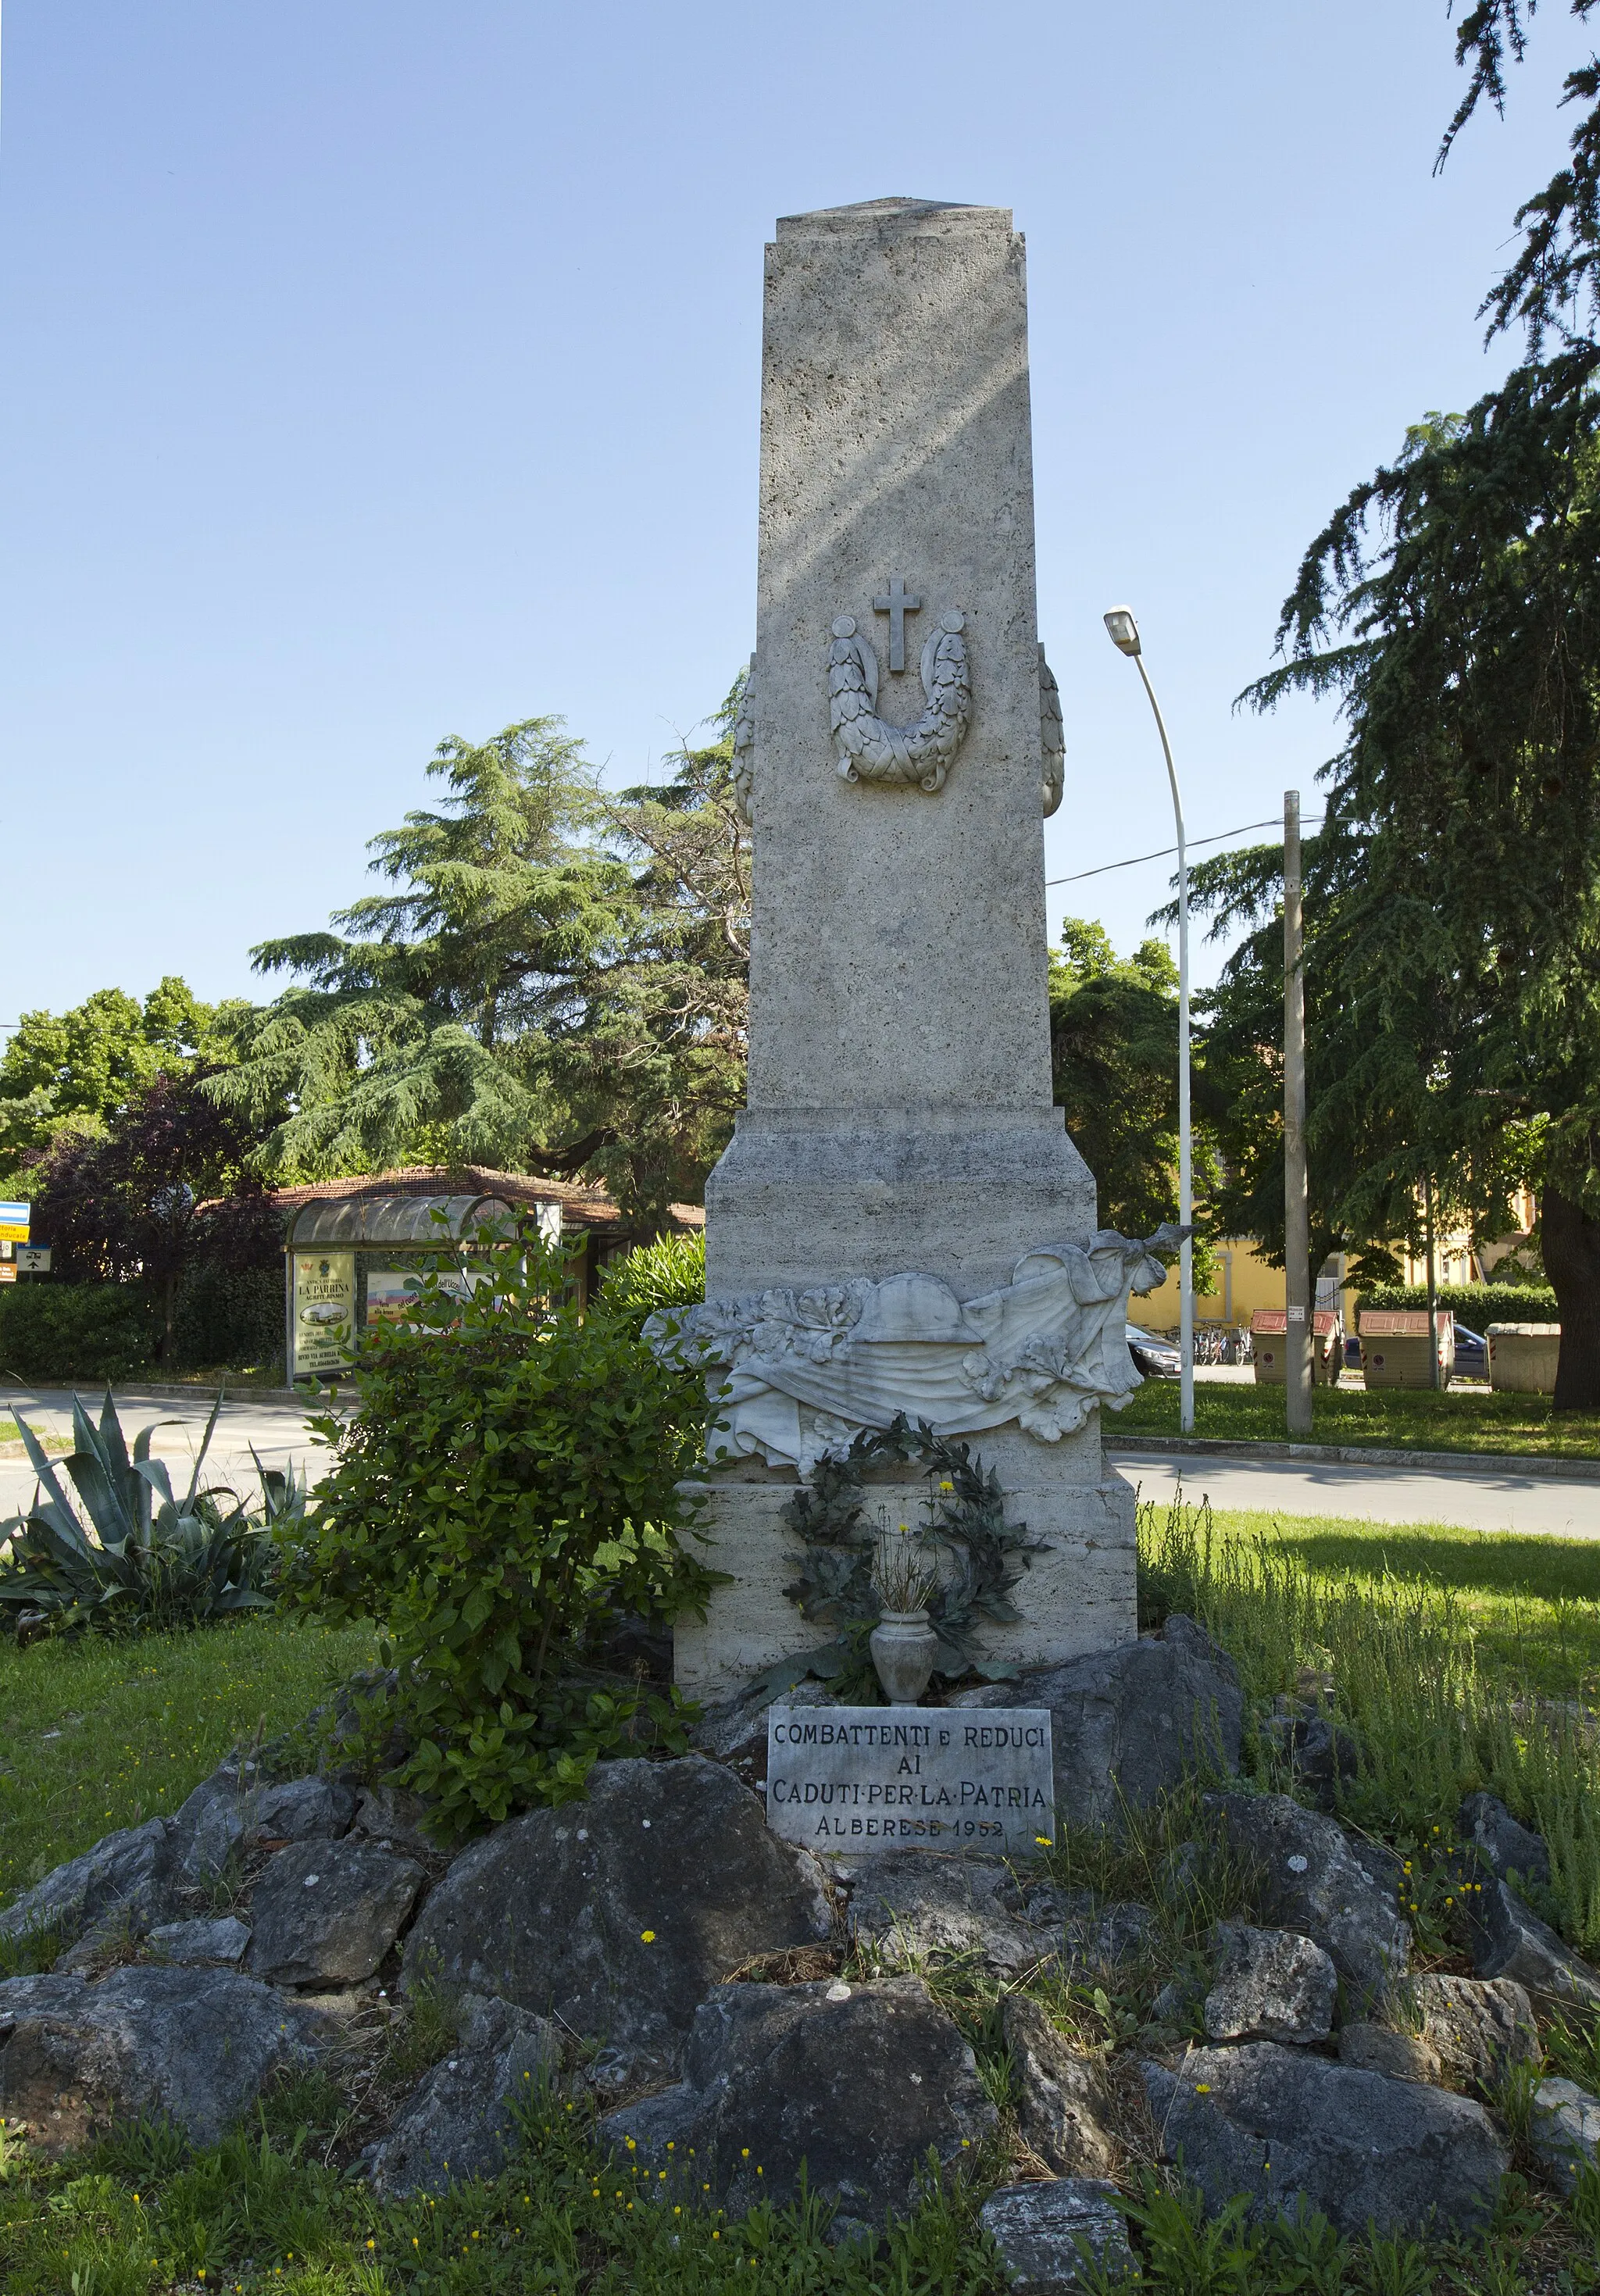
x: 13, y: 1220
x: 389, y: 1292
x: 324, y: 1313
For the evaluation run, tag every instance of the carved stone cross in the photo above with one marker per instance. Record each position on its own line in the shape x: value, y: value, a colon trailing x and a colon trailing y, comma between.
x: 898, y: 603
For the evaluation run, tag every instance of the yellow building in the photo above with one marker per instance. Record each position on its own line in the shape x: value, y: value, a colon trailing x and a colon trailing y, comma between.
x: 1248, y: 1281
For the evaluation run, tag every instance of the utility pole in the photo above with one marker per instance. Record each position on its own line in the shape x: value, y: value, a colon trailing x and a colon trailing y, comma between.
x: 1298, y: 1333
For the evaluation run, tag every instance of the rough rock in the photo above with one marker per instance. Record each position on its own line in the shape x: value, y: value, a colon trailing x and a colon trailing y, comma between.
x: 1096, y: 1935
x: 210, y: 1826
x: 1183, y: 1873
x: 236, y: 1807
x: 325, y: 1912
x: 856, y: 2080
x: 1271, y: 1985
x: 1380, y: 2049
x: 28, y: 1996
x: 1564, y: 2130
x: 1126, y: 1724
x: 104, y: 1944
x: 915, y: 1902
x: 127, y: 1874
x: 303, y: 1809
x: 1101, y: 1940
x: 460, y: 2120
x: 1509, y: 1941
x: 1314, y: 1879
x: 191, y: 2045
x: 735, y: 1732
x: 1046, y: 2232
x: 220, y: 1943
x: 1060, y: 2094
x: 619, y: 1913
x: 1322, y: 1756
x: 1503, y: 1844
x: 1179, y: 1997
x: 1477, y: 2025
x: 396, y: 1819
x: 1279, y: 2124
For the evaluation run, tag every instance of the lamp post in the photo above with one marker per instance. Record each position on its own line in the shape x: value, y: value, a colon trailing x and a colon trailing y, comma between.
x: 1124, y: 634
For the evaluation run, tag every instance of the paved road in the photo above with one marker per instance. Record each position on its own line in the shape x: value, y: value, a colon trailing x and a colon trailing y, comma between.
x: 276, y: 1431
x: 1467, y: 1497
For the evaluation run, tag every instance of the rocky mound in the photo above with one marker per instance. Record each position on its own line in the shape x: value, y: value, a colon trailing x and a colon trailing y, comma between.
x: 722, y: 1998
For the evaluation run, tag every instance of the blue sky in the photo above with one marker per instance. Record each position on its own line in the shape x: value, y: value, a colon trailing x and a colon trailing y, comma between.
x: 379, y: 371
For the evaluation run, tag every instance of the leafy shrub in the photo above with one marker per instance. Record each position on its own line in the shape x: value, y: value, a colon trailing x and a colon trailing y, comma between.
x: 505, y: 1496
x: 229, y: 1318
x: 52, y: 1332
x: 1475, y: 1305
x: 669, y: 1273
x: 143, y: 1559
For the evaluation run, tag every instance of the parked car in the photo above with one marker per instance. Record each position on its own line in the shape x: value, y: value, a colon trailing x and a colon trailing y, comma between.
x: 1471, y: 1354
x: 1156, y: 1358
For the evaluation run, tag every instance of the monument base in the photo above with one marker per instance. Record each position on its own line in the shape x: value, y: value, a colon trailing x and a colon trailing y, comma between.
x: 1076, y: 1596
x: 805, y: 1196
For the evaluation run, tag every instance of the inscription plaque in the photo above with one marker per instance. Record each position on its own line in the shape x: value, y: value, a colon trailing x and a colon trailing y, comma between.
x: 839, y: 1777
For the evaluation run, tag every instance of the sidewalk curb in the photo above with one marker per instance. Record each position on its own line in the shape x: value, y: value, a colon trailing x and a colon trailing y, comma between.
x: 1358, y: 1454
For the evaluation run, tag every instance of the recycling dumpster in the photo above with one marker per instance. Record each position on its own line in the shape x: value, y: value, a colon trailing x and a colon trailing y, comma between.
x: 1522, y: 1357
x: 1395, y: 1350
x: 1269, y: 1347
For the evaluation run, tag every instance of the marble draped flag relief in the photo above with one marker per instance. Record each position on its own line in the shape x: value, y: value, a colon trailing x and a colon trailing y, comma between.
x: 806, y: 1370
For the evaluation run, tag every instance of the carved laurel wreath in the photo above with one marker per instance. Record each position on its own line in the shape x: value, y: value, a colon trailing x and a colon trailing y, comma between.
x: 853, y: 690
x: 870, y: 749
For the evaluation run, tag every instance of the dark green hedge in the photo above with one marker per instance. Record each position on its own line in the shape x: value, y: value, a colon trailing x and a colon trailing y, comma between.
x: 1475, y: 1305
x: 54, y: 1333
x: 229, y: 1318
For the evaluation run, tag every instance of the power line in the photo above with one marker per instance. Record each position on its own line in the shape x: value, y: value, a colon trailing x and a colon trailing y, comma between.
x: 1165, y: 851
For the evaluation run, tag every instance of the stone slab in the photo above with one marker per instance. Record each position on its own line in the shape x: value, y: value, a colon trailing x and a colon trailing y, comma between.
x: 898, y: 958
x: 931, y: 1777
x: 900, y: 1112
x: 1076, y: 1596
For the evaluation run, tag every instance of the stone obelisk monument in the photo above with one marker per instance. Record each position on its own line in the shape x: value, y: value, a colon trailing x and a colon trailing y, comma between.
x: 900, y: 1222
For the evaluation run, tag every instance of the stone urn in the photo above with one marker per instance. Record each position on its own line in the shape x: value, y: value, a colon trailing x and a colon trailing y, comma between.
x: 904, y: 1647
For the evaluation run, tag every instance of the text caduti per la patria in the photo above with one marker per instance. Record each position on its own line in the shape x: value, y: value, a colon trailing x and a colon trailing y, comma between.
x: 902, y: 1786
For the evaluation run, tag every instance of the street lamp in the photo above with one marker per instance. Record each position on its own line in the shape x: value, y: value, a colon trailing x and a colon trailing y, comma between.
x: 1124, y: 634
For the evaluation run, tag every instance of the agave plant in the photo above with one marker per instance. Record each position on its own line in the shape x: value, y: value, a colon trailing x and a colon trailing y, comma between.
x: 130, y: 1554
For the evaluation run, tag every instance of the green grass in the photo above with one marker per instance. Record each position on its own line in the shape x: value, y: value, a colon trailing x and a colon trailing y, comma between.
x: 1458, y: 1420
x: 264, y: 2211
x: 97, y: 1733
x: 1461, y: 1673
x: 9, y: 1434
x: 1452, y: 1654
x: 1530, y: 1605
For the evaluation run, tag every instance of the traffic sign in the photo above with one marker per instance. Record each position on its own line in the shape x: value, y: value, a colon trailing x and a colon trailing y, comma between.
x: 13, y: 1221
